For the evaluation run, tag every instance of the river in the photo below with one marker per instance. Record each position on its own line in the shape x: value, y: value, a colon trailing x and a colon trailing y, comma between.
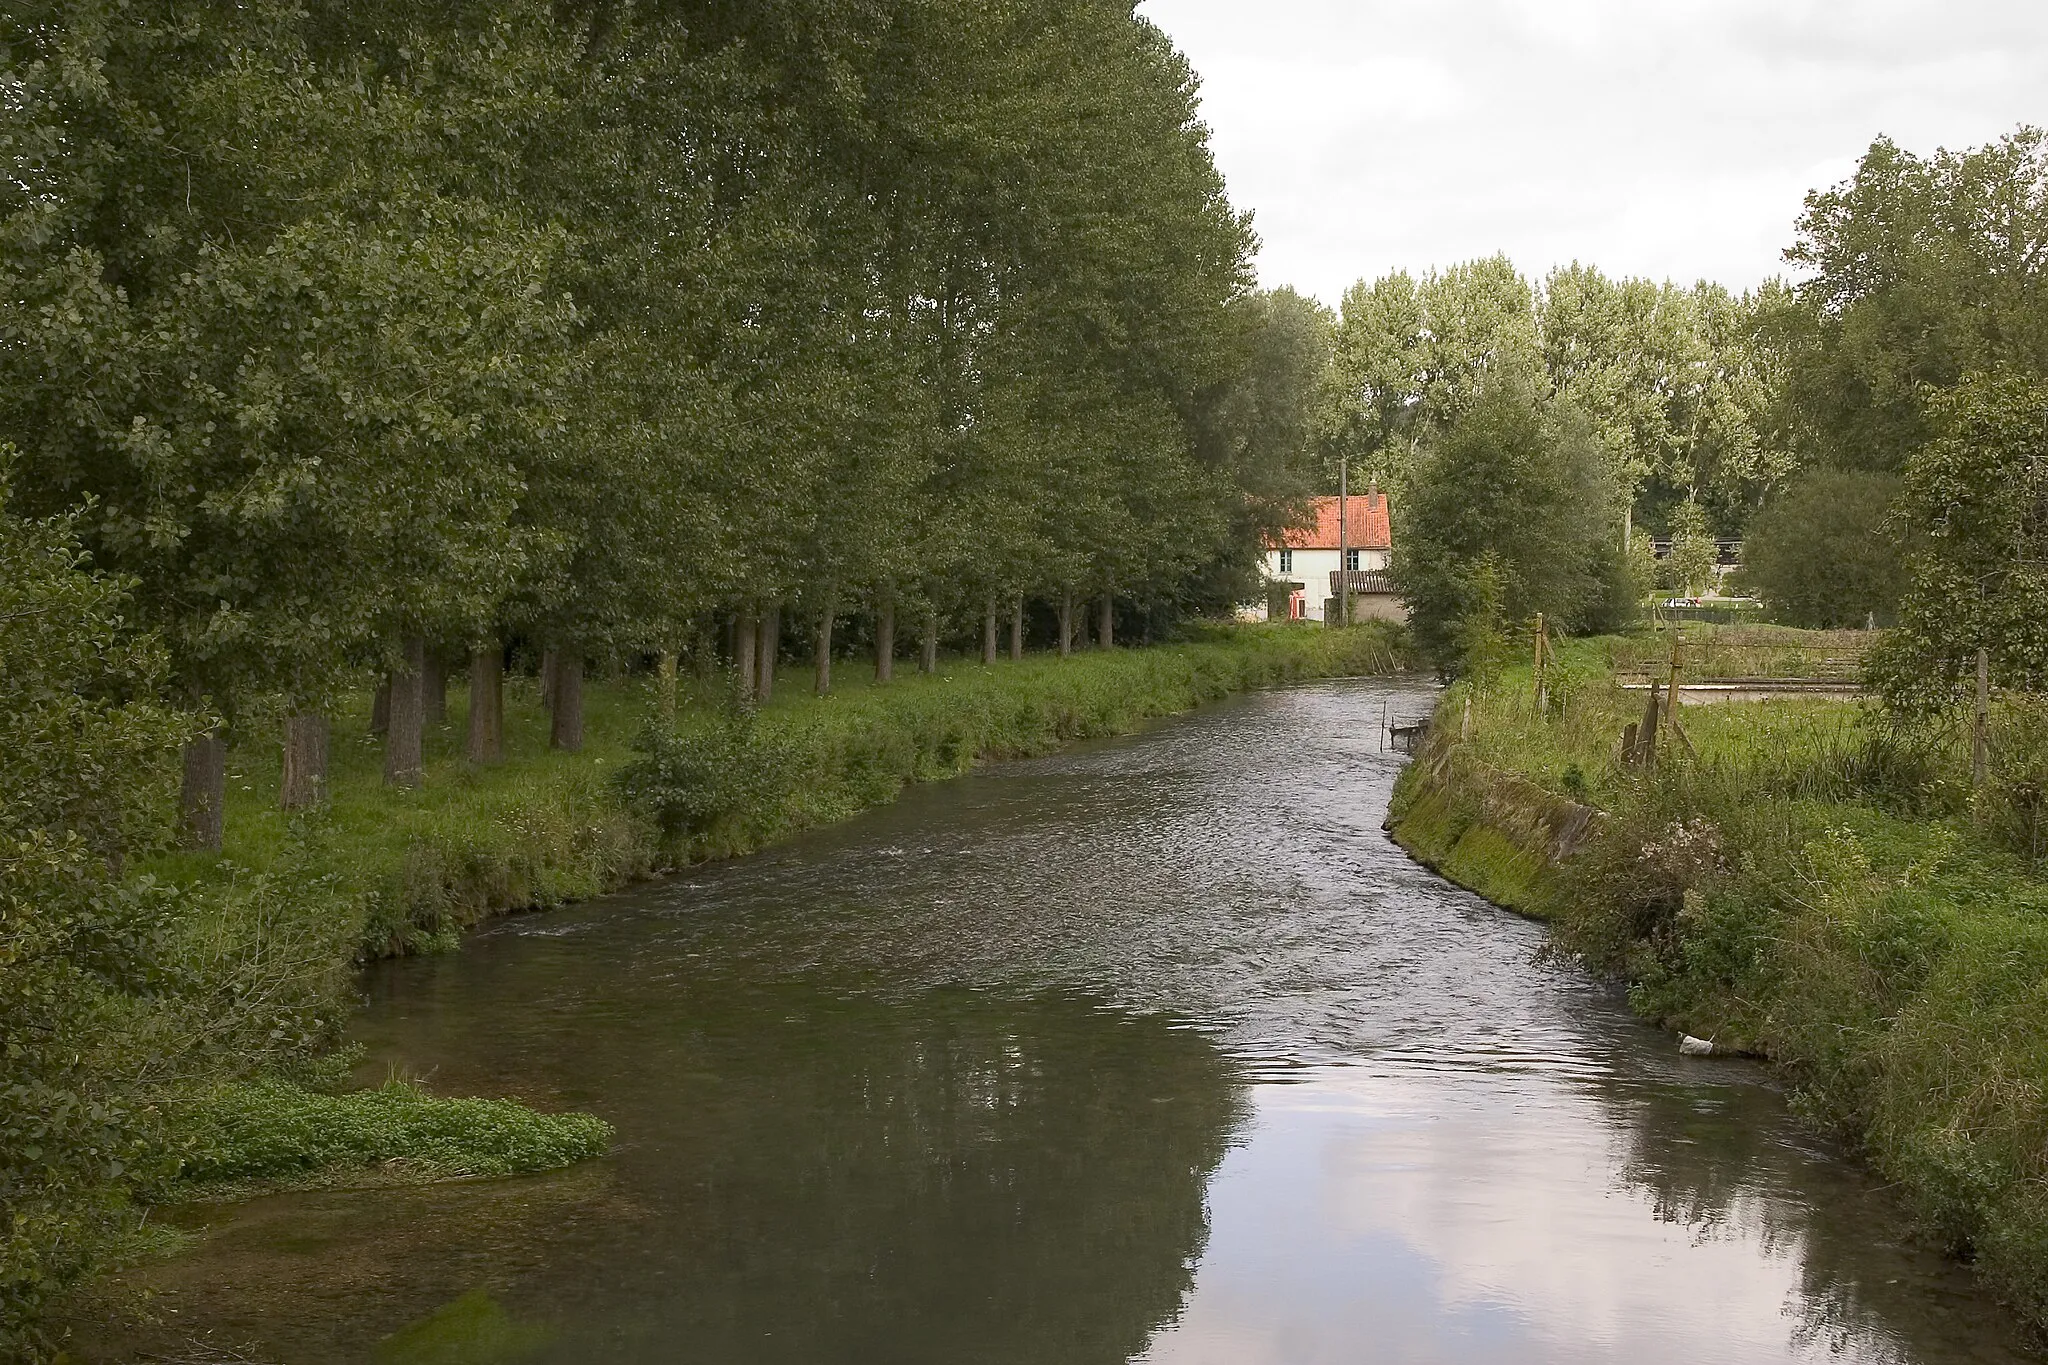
x: 1155, y: 1051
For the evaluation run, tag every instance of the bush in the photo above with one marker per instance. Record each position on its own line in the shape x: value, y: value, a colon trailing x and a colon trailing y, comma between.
x: 1821, y: 553
x: 698, y: 776
x: 83, y: 950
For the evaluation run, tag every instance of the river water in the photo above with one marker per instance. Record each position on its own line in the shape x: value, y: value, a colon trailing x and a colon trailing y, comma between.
x: 1152, y: 1051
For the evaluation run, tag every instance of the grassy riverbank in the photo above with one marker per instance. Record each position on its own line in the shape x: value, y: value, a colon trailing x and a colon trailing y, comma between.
x: 1798, y: 881
x: 409, y: 870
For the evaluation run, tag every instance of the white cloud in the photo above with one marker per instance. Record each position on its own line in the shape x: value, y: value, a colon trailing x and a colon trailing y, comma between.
x: 1659, y: 137
x: 1397, y: 1219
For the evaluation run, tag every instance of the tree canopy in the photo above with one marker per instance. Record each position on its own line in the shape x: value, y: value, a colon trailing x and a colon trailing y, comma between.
x: 593, y: 325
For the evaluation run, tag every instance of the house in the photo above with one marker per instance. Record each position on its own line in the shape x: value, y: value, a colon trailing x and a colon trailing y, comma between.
x: 1302, y: 567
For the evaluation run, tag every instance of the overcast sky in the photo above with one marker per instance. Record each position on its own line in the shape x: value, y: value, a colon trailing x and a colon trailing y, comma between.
x: 1669, y: 138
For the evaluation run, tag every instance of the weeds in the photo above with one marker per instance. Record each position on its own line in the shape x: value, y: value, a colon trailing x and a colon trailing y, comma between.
x: 274, y: 1133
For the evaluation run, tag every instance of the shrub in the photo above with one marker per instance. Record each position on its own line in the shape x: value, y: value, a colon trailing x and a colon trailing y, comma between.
x: 697, y: 777
x: 83, y: 789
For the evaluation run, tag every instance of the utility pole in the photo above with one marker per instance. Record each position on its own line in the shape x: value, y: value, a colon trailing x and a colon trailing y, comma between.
x: 1343, y: 542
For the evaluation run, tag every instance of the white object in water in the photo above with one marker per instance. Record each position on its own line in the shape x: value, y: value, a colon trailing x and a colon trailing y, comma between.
x: 1695, y: 1047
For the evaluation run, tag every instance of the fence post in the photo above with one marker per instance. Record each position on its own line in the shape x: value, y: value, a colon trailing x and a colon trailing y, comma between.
x: 1542, y: 694
x: 1677, y: 664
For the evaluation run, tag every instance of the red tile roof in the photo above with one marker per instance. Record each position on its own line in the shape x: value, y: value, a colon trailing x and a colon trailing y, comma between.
x: 1368, y: 525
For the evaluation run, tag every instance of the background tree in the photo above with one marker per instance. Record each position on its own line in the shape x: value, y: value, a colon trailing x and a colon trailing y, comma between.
x: 1920, y: 270
x: 1693, y: 551
x: 1977, y: 577
x: 1822, y: 553
x: 1524, y: 486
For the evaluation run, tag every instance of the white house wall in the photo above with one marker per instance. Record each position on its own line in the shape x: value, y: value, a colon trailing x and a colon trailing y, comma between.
x: 1312, y: 569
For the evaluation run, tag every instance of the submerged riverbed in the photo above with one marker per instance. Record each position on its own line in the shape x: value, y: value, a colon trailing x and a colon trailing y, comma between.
x: 1156, y: 1051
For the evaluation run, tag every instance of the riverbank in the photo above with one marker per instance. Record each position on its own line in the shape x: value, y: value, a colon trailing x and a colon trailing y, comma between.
x: 1796, y: 882
x: 408, y: 870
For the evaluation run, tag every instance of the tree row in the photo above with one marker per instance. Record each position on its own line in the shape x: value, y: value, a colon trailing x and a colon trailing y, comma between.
x: 370, y: 334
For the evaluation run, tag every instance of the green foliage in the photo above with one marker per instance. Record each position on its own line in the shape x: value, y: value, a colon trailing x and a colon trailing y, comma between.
x: 1675, y: 383
x: 1977, y: 576
x: 276, y: 1132
x: 1522, y: 485
x: 590, y: 325
x: 1481, y: 632
x: 707, y: 770
x: 1919, y: 271
x: 2012, y: 805
x: 1824, y: 553
x: 83, y: 950
x: 1693, y: 553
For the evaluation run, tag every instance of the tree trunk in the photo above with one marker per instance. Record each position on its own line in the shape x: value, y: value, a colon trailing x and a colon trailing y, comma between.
x: 403, y: 757
x: 745, y: 651
x: 434, y: 688
x: 1017, y: 629
x: 1980, y: 723
x: 928, y: 653
x: 487, y: 704
x: 1066, y: 622
x: 885, y: 641
x: 665, y: 672
x: 548, y: 661
x: 305, y: 761
x: 824, y: 681
x: 988, y: 633
x: 566, y: 731
x: 204, y: 795
x: 380, y: 707
x: 769, y: 640
x: 704, y: 654
x: 1105, y: 629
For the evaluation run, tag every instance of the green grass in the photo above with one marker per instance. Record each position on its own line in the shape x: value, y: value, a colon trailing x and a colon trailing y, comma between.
x: 1806, y: 884
x: 272, y: 1134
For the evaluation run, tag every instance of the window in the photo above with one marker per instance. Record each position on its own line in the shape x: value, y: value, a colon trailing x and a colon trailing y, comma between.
x: 1287, y: 561
x: 1351, y: 559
